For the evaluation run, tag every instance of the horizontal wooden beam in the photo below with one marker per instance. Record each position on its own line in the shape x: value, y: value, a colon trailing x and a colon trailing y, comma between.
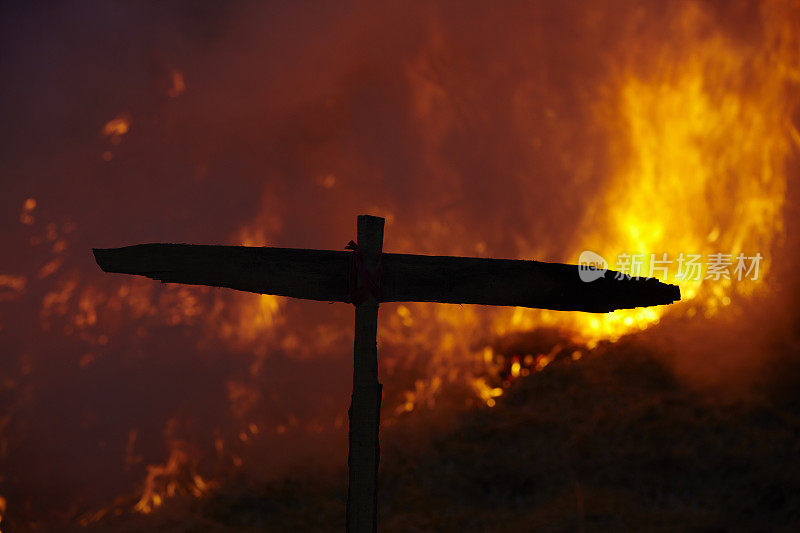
x: 325, y: 275
x: 297, y: 273
x: 468, y: 280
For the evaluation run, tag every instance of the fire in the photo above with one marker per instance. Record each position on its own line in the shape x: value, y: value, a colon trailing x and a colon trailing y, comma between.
x: 177, y: 476
x: 174, y: 477
x: 700, y: 153
x: 3, y: 505
x: 118, y: 126
x: 11, y: 286
x: 26, y: 216
x: 178, y: 85
x: 486, y: 392
x: 698, y: 129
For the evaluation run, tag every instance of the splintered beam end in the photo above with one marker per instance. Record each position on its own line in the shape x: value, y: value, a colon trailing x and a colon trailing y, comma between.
x: 126, y: 260
x: 638, y: 292
x: 309, y: 274
x: 663, y: 293
x: 151, y: 260
x: 675, y: 293
x: 101, y: 257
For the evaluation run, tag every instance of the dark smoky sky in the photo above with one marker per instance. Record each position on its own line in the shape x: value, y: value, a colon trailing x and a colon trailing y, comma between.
x: 470, y: 125
x: 460, y: 114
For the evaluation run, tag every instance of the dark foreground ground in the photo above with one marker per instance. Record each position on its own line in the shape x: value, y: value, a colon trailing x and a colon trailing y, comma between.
x: 609, y: 443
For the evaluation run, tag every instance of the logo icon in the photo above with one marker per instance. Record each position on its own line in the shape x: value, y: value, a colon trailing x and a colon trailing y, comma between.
x: 591, y: 266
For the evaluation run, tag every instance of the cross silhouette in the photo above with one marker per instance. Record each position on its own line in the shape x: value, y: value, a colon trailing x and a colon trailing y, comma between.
x: 365, y: 276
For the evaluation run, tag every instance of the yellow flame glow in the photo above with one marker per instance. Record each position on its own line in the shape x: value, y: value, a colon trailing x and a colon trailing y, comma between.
x: 700, y: 142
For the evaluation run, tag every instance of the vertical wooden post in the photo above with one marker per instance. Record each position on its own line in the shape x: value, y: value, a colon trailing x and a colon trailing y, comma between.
x: 362, y: 494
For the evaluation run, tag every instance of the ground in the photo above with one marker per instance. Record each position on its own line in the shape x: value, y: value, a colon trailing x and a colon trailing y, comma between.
x: 612, y: 442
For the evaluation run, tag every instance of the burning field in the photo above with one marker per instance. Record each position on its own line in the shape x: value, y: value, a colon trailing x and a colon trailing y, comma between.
x: 660, y: 136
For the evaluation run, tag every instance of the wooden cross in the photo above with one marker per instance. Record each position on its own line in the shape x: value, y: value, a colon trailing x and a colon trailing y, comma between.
x: 365, y: 277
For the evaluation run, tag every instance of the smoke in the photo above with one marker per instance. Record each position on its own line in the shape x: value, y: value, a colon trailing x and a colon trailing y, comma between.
x: 474, y: 130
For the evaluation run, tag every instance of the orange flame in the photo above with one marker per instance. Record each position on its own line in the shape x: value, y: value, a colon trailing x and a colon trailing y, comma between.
x: 117, y: 126
x: 700, y: 166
